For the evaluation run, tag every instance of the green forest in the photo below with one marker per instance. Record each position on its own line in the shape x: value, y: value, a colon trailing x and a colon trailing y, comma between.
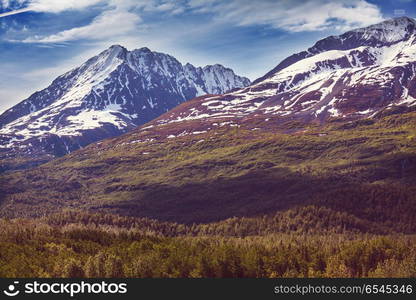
x: 77, y: 244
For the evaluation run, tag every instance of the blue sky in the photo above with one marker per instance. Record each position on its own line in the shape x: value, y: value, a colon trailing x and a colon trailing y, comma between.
x: 49, y: 37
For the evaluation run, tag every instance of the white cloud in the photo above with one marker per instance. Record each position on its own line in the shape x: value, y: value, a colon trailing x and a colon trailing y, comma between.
x: 49, y: 6
x: 116, y: 19
x: 109, y: 23
x: 14, y: 12
x: 52, y: 6
x: 308, y: 15
x: 121, y: 17
x: 56, y: 6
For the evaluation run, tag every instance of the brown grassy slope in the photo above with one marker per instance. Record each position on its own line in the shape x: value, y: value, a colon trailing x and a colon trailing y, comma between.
x: 366, y: 169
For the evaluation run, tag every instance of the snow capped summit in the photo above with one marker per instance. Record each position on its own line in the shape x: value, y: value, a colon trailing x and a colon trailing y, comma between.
x: 389, y: 31
x: 107, y: 95
x: 354, y: 75
x: 385, y: 34
x: 214, y: 79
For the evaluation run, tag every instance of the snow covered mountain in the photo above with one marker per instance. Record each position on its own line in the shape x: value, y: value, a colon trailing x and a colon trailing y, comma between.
x: 362, y: 73
x: 355, y: 75
x: 108, y: 95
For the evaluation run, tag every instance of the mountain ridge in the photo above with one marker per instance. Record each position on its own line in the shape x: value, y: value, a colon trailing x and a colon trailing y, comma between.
x: 335, y: 43
x: 368, y: 76
x: 108, y: 95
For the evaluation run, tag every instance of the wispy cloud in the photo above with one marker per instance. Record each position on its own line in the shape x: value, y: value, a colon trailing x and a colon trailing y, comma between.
x: 117, y: 18
x: 14, y: 12
x: 121, y: 17
x: 57, y: 6
x: 108, y: 24
x: 293, y: 15
x: 49, y: 6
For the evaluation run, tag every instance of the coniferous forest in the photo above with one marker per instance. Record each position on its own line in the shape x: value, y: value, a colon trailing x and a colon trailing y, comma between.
x: 78, y: 245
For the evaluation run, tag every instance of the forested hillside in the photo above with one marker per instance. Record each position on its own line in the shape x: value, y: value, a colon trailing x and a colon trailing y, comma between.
x: 76, y: 244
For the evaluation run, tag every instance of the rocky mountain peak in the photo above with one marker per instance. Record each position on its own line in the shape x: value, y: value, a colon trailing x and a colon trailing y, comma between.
x: 109, y: 94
